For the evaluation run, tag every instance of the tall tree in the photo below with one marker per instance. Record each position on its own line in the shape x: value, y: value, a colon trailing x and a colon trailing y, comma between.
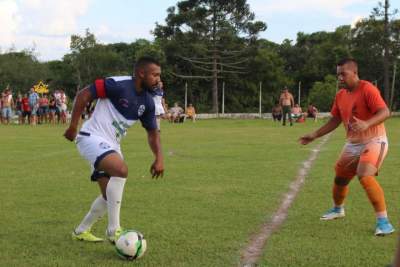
x: 382, y: 11
x: 92, y: 60
x: 214, y: 33
x: 21, y: 70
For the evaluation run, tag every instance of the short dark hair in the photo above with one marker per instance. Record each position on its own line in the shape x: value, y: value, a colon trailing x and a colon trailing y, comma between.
x: 347, y: 61
x: 144, y: 61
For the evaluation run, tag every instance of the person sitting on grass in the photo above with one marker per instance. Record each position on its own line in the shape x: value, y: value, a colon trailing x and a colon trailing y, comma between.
x: 191, y: 113
x: 297, y: 113
x: 277, y: 112
x: 312, y: 112
x: 177, y: 114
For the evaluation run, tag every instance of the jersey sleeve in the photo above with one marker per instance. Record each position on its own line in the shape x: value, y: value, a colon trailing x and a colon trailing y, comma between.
x: 103, y: 88
x: 374, y: 99
x: 335, y: 110
x: 148, y: 119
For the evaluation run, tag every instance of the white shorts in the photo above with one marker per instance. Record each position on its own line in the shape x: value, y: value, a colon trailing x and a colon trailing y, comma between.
x: 94, y: 148
x: 159, y: 109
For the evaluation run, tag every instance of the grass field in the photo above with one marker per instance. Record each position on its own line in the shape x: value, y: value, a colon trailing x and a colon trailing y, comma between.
x: 223, y: 179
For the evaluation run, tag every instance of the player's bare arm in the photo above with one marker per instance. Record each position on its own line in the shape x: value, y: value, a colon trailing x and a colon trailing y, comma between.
x: 380, y: 116
x: 328, y: 127
x: 82, y: 98
x: 157, y: 168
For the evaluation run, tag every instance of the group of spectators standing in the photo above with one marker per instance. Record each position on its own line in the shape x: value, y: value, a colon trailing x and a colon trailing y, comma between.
x: 32, y: 108
x: 286, y: 108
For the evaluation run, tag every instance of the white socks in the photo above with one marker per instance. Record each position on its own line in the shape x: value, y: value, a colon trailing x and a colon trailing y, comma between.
x: 97, y: 210
x: 114, y: 191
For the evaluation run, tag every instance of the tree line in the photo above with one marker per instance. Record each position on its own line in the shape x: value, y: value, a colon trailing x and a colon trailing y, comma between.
x: 209, y: 43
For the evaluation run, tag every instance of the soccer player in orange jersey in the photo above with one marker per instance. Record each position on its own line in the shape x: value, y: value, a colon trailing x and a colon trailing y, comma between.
x: 361, y: 109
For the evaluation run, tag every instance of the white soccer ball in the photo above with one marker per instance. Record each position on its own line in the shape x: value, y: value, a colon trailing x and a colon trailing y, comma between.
x: 131, y: 245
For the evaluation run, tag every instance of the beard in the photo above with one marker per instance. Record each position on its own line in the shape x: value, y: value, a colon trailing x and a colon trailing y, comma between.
x: 146, y: 86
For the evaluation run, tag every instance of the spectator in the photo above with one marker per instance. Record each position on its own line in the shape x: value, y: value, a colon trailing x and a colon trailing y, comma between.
x: 191, y: 113
x: 176, y: 113
x: 52, y: 110
x: 277, y: 112
x: 1, y: 110
x: 312, y: 112
x: 26, y: 109
x: 286, y: 101
x: 7, y: 106
x: 34, y: 105
x: 167, y: 114
x: 18, y: 108
x: 57, y: 97
x: 43, y: 109
x: 297, y: 113
x: 63, y: 106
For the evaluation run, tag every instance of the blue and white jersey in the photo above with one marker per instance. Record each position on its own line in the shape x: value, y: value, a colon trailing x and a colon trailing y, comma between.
x: 118, y: 107
x: 158, y: 95
x: 33, y: 99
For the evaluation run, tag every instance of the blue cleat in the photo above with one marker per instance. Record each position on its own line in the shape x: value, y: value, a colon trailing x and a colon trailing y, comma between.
x: 383, y: 227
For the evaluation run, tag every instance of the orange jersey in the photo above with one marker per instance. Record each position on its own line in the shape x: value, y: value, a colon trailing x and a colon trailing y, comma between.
x: 362, y: 103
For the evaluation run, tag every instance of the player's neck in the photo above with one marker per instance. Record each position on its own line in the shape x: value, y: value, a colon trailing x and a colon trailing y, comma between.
x: 355, y: 86
x: 138, y: 86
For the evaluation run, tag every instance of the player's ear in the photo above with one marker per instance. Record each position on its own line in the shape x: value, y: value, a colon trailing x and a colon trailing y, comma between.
x: 141, y: 73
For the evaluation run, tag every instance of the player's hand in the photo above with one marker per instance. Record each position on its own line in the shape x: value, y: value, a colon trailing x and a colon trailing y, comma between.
x: 157, y: 169
x: 71, y: 133
x: 359, y: 125
x: 306, y: 139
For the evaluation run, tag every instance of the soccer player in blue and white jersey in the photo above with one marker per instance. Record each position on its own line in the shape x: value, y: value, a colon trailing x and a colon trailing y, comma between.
x: 121, y: 101
x: 159, y: 102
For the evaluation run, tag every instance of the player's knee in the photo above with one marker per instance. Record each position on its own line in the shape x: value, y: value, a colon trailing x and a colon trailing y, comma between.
x: 122, y: 171
x: 364, y: 173
x: 341, y: 181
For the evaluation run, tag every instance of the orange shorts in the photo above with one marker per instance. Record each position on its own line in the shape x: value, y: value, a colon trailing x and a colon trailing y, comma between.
x: 372, y: 152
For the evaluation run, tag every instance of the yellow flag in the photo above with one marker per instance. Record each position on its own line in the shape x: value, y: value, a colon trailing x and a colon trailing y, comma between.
x: 41, y: 88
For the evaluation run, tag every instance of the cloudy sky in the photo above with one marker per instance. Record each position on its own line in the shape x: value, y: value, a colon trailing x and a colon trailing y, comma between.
x: 47, y: 25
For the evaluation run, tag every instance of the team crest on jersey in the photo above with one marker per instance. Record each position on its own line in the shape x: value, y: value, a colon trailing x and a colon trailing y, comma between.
x: 141, y: 110
x: 104, y: 145
x: 124, y: 102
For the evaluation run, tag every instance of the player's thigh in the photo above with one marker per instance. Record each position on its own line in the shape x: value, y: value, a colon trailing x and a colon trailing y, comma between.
x: 372, y: 157
x: 346, y: 165
x: 114, y: 165
x: 102, y: 154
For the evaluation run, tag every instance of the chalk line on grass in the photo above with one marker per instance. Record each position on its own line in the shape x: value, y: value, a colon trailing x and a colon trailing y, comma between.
x: 253, y: 251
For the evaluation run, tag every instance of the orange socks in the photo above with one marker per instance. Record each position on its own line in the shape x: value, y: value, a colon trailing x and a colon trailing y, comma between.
x: 375, y: 194
x: 339, y: 193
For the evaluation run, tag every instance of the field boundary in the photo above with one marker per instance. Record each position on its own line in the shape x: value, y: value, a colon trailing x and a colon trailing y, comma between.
x: 251, y: 254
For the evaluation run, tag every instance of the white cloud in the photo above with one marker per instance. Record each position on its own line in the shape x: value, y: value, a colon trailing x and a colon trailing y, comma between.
x: 355, y: 20
x: 50, y: 17
x: 336, y: 8
x: 46, y: 23
x: 127, y: 33
x: 9, y: 21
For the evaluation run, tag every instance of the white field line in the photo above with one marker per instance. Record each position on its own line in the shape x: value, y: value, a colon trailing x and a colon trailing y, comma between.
x: 255, y: 248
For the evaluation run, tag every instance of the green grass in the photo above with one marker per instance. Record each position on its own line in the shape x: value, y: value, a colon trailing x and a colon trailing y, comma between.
x: 223, y: 179
x: 306, y: 241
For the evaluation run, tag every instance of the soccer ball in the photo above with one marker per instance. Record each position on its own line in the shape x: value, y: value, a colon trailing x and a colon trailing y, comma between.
x: 131, y: 245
